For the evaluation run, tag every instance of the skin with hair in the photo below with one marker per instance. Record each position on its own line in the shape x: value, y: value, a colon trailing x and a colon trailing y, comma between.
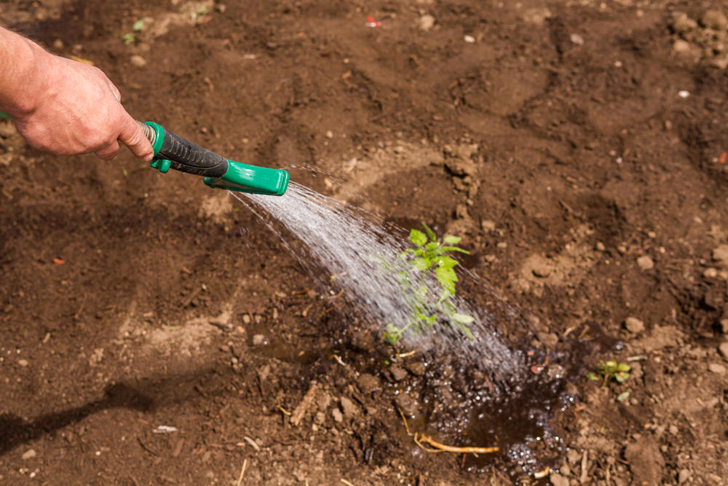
x: 62, y: 106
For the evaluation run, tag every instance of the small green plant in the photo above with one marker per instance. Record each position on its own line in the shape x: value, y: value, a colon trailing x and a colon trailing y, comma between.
x: 429, y: 256
x: 128, y: 38
x: 610, y: 370
x: 131, y: 37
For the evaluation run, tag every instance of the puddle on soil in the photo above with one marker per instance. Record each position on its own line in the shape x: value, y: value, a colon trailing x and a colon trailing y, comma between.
x: 458, y: 405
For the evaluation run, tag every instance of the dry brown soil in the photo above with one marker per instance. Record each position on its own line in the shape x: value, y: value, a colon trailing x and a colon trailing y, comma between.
x: 578, y: 146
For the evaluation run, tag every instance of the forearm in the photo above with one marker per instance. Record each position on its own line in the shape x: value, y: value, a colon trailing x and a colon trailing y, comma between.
x: 23, y: 81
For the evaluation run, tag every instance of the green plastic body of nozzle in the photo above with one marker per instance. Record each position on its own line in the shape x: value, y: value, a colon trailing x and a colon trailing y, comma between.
x: 251, y: 179
x: 4, y: 115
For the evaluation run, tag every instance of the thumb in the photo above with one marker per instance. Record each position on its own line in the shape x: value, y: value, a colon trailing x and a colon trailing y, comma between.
x: 133, y: 137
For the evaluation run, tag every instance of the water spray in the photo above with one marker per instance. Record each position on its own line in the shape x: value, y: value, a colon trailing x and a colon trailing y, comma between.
x: 174, y: 152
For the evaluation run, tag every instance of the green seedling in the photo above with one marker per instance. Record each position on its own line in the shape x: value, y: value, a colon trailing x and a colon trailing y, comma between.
x: 429, y: 256
x: 610, y: 370
x: 128, y: 38
x: 131, y: 37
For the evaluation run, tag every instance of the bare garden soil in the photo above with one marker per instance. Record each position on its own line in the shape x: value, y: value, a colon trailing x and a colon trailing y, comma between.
x: 579, y: 147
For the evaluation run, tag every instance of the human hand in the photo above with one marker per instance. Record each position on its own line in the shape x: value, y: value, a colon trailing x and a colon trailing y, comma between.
x: 76, y: 109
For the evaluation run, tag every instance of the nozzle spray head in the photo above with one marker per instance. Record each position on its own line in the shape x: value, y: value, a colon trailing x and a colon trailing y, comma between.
x: 249, y: 178
x: 173, y: 151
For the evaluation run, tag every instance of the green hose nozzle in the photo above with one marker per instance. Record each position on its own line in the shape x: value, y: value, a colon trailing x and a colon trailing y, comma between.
x: 173, y: 151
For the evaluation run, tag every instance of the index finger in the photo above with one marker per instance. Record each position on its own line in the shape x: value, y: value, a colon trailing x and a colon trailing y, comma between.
x: 133, y: 137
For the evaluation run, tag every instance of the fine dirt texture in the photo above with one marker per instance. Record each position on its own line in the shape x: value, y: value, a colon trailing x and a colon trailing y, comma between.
x: 155, y: 331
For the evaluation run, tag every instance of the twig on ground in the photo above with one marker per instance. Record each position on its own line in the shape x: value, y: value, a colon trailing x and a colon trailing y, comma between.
x: 302, y: 408
x: 438, y: 447
x: 242, y: 472
x: 77, y: 315
x: 584, y: 476
x: 434, y: 446
x: 346, y: 482
x: 252, y: 443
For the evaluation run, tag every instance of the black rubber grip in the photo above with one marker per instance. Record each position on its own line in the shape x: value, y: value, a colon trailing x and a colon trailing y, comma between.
x: 193, y: 159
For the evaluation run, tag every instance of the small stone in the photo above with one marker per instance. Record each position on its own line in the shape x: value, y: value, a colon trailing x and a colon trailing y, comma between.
x: 723, y: 326
x: 417, y: 368
x: 683, y: 476
x: 469, y: 39
x: 673, y: 430
x: 600, y: 246
x: 645, y: 263
x: 558, y: 480
x: 634, y: 325
x: 714, y: 19
x: 368, y: 383
x: 408, y: 405
x: 347, y: 406
x: 573, y: 455
x: 329, y: 134
x: 716, y: 368
x: 29, y: 454
x: 576, y: 39
x: 683, y: 24
x: 397, y: 373
x: 138, y: 61
x: 720, y: 255
x: 338, y: 416
x: 549, y: 339
x: 487, y: 225
x: 323, y: 401
x: 541, y: 269
x: 461, y: 211
x: 320, y: 418
x: 23, y: 362
x: 426, y: 23
x: 258, y: 339
x: 681, y: 46
x: 715, y: 479
x: 710, y: 273
x: 246, y: 319
x: 723, y: 350
x: 720, y: 62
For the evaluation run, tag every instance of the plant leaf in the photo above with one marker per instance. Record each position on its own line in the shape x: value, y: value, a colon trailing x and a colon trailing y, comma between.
x: 452, y: 240
x: 621, y: 377
x: 418, y: 237
x: 462, y: 318
x: 421, y: 264
x: 430, y: 233
x: 623, y: 396
x: 138, y: 25
x: 447, y: 262
x: 465, y: 329
x: 447, y: 278
x: 454, y: 248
